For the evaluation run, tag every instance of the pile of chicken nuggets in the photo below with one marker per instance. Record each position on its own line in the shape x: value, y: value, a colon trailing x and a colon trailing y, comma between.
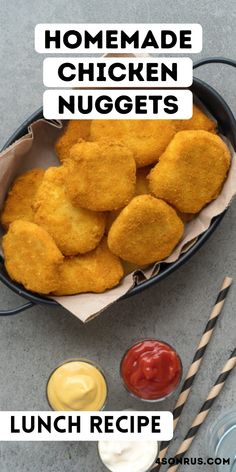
x: 118, y: 201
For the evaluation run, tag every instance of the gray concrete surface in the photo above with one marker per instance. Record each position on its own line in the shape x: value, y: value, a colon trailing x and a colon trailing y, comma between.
x: 33, y: 343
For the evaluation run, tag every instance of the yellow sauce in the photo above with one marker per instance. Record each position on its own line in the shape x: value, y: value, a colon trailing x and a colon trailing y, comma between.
x: 77, y: 386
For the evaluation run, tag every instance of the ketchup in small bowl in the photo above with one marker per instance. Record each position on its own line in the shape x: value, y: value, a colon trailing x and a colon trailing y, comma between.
x: 151, y: 370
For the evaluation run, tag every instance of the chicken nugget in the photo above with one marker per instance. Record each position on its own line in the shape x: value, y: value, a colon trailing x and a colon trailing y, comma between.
x: 31, y: 257
x: 73, y: 132
x: 147, y: 139
x: 95, y: 271
x: 199, y: 120
x: 108, y: 129
x: 101, y: 175
x: 141, y: 188
x: 74, y: 230
x: 18, y: 204
x: 146, y: 231
x: 192, y: 170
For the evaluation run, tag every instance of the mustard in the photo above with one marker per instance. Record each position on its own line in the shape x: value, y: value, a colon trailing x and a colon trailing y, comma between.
x: 77, y: 386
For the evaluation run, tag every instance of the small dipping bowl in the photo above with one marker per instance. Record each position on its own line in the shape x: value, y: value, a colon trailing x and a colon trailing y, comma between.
x: 77, y: 385
x: 151, y: 370
x: 221, y: 442
x: 128, y: 456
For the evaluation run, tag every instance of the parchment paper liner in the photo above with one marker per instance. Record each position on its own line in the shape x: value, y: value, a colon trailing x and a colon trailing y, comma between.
x: 36, y: 150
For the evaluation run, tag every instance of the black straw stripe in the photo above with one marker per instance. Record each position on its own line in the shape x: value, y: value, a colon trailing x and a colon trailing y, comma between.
x: 188, y: 382
x: 199, y: 353
x: 222, y: 295
x: 222, y: 377
x: 192, y: 431
x: 233, y: 353
x: 164, y: 444
x: 211, y: 323
x: 207, y: 404
x: 178, y: 410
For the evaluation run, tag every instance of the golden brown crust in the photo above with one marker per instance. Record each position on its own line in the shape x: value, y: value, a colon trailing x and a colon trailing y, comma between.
x: 141, y: 188
x: 146, y: 231
x: 199, y: 120
x: 147, y: 139
x: 192, y: 170
x: 31, y: 257
x: 71, y: 134
x: 18, y: 204
x: 96, y: 271
x: 101, y: 176
x: 74, y: 230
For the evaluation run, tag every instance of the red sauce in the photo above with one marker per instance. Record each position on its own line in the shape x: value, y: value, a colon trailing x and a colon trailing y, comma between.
x: 151, y: 369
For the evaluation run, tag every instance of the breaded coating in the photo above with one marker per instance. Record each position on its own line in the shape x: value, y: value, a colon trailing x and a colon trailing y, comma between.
x: 199, y: 120
x: 74, y: 230
x: 109, y: 129
x: 18, y: 204
x: 31, y: 257
x: 96, y: 271
x: 101, y: 175
x: 141, y: 188
x: 73, y: 132
x: 147, y: 139
x: 146, y: 231
x: 192, y: 170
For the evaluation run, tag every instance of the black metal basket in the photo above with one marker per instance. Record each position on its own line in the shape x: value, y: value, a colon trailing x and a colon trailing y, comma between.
x: 227, y: 126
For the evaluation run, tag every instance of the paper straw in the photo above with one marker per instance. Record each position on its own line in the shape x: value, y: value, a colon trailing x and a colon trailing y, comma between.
x: 196, y: 362
x: 203, y: 412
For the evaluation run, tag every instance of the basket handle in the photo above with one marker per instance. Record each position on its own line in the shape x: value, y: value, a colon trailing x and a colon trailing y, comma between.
x: 214, y: 60
x: 18, y: 309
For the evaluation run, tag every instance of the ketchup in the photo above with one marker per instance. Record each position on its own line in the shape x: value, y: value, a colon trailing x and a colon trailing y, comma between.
x: 151, y: 369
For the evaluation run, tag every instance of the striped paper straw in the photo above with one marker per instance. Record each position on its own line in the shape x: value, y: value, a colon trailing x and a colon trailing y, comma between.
x: 196, y: 362
x: 203, y: 412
